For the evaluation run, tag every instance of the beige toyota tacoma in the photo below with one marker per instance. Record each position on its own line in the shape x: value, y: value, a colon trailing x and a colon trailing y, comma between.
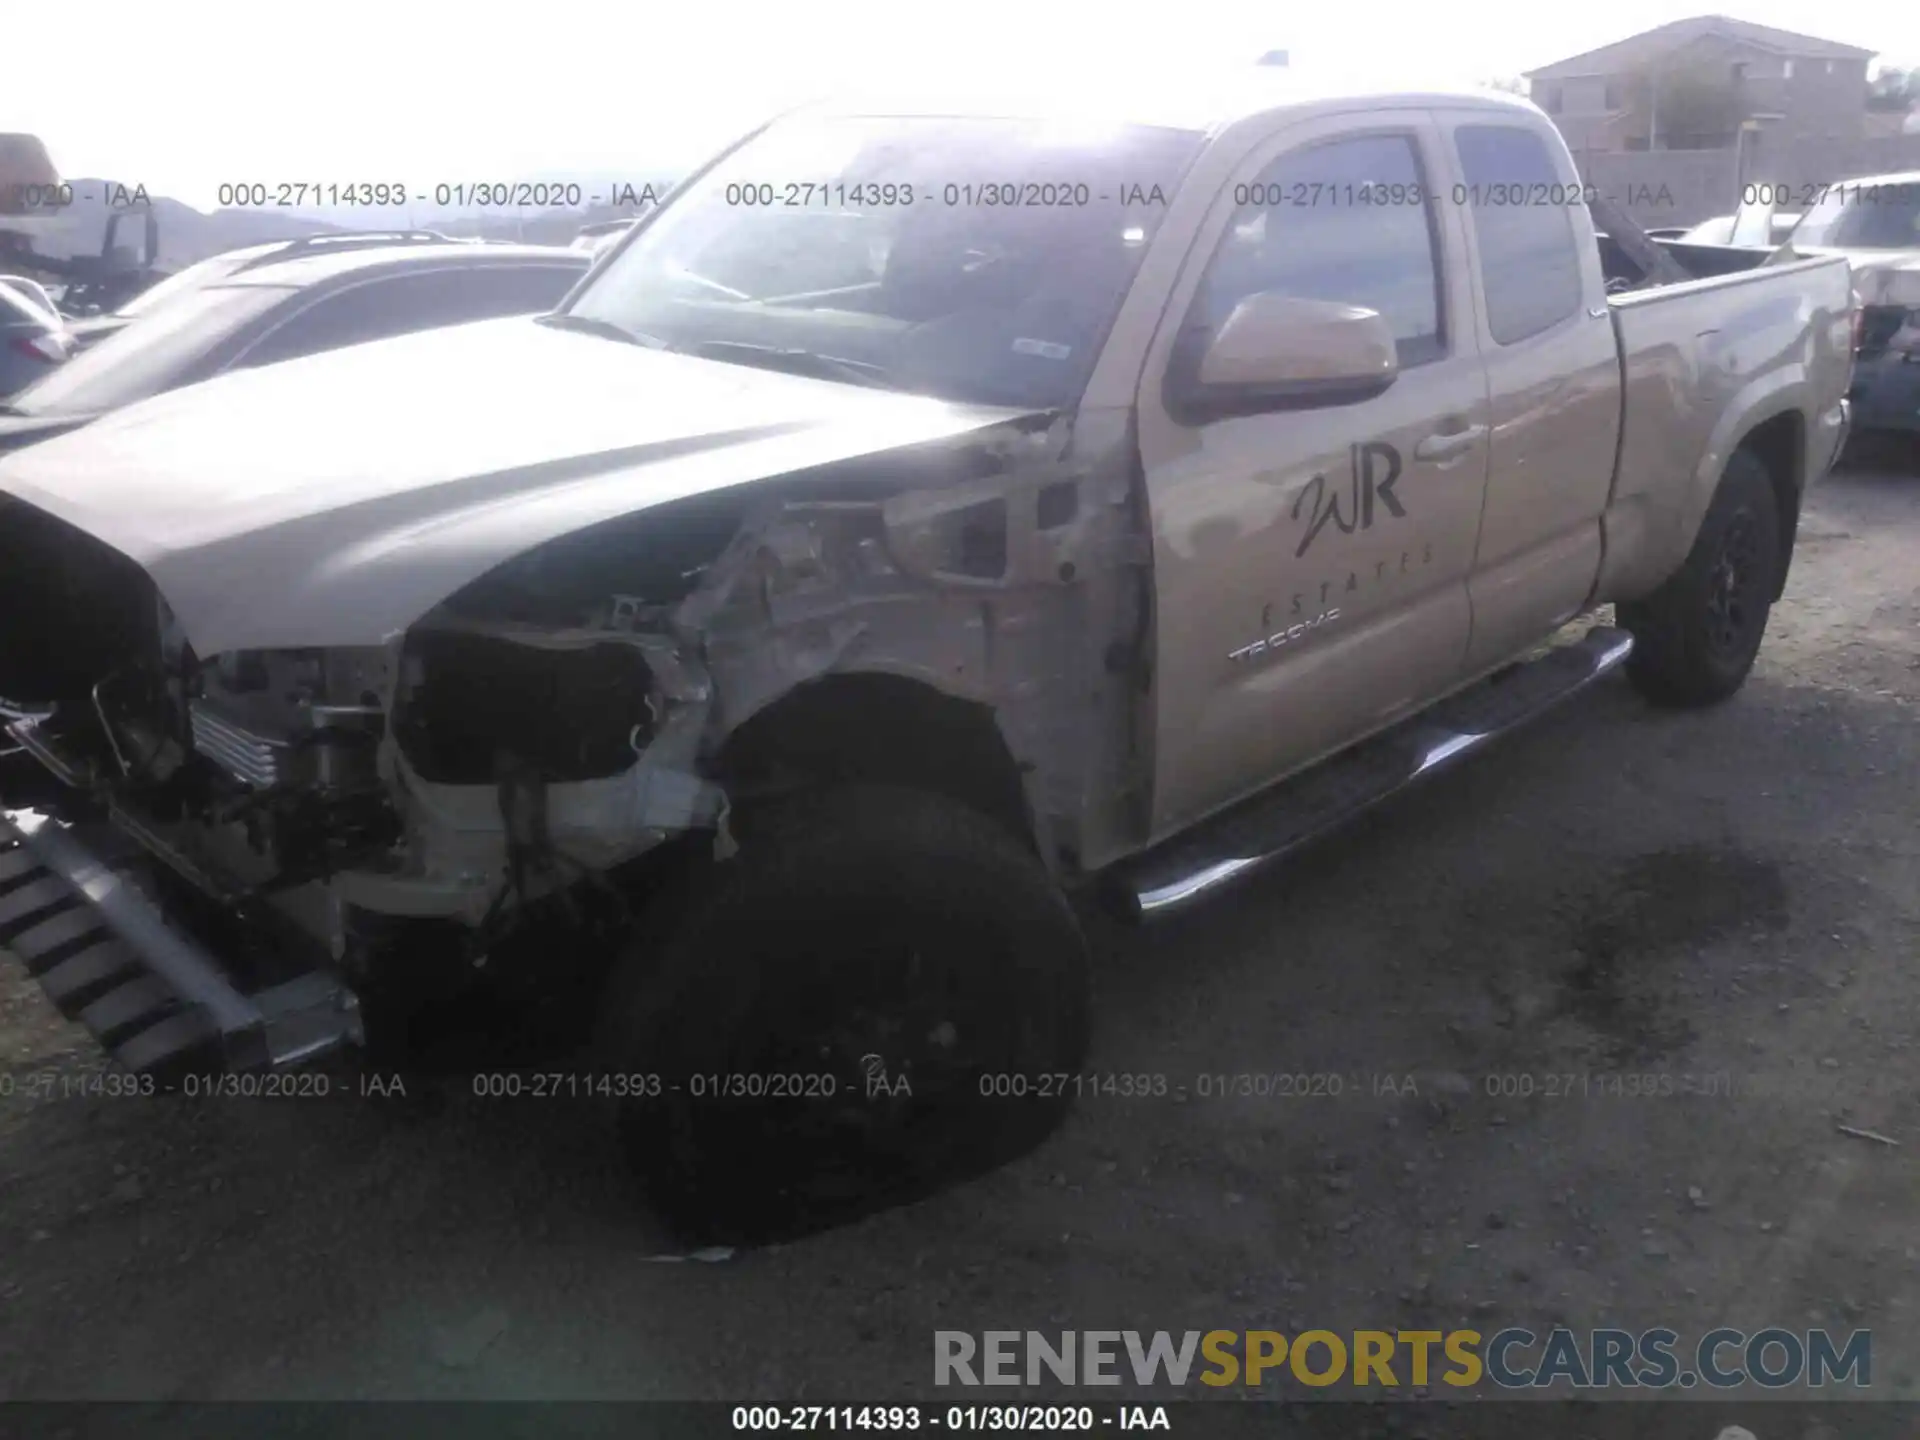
x: 925, y: 520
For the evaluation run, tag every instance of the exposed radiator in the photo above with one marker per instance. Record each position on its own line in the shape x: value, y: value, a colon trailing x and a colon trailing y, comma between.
x: 245, y: 756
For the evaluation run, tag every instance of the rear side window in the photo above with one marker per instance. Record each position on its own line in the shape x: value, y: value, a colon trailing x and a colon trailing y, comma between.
x: 1347, y: 221
x: 401, y: 304
x: 1529, y: 250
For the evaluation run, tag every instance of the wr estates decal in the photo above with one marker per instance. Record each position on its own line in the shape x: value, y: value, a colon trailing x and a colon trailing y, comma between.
x: 1374, y: 467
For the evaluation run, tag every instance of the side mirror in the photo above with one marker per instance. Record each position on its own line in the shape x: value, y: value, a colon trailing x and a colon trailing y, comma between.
x: 1282, y: 352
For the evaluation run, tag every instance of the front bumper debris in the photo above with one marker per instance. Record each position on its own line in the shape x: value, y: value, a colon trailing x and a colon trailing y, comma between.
x: 155, y: 998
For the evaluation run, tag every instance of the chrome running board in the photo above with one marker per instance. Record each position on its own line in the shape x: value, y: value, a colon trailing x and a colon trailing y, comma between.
x: 1199, y: 864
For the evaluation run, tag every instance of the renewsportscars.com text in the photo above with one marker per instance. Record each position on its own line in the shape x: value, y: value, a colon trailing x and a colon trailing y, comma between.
x: 1509, y: 1359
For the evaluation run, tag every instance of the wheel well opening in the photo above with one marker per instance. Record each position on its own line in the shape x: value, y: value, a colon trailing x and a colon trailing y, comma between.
x: 881, y: 730
x: 1780, y: 445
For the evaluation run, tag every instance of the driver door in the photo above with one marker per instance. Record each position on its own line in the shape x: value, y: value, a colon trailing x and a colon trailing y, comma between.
x: 1311, y: 563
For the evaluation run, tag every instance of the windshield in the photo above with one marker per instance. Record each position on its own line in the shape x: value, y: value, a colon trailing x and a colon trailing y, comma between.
x: 195, y: 276
x: 977, y: 260
x: 152, y: 354
x: 1864, y: 215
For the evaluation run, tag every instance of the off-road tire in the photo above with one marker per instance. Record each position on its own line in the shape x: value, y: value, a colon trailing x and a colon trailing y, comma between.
x: 1696, y: 637
x: 856, y: 922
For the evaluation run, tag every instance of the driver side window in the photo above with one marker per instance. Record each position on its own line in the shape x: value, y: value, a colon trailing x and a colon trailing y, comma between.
x: 1349, y: 221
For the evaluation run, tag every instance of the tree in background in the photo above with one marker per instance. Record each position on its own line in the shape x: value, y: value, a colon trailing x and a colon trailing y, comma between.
x: 1684, y: 107
x: 1894, y: 89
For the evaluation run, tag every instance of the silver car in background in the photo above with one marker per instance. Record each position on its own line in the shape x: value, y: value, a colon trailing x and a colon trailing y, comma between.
x: 34, y: 339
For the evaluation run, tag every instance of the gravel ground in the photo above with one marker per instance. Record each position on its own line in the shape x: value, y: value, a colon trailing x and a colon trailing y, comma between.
x: 1616, y: 891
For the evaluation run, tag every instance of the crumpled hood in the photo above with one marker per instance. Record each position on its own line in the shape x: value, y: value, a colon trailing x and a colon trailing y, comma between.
x: 334, y: 500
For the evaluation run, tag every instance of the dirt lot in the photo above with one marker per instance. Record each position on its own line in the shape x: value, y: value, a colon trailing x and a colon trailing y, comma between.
x: 1730, y: 894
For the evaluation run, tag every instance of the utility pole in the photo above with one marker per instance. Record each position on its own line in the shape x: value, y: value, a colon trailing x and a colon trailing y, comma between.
x: 1752, y: 125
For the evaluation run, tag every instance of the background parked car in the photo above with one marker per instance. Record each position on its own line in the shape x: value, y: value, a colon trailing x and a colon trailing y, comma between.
x: 594, y: 238
x: 1720, y: 230
x: 1874, y: 221
x: 33, y: 340
x: 229, y: 263
x: 32, y: 290
x: 262, y: 313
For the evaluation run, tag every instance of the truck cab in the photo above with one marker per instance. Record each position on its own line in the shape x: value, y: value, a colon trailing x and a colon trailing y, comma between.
x: 1409, y: 523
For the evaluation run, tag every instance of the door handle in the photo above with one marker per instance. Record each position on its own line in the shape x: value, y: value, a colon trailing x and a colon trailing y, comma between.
x: 1449, y: 444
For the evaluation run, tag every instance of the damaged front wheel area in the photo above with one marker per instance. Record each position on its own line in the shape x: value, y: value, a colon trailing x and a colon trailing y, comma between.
x: 835, y: 1014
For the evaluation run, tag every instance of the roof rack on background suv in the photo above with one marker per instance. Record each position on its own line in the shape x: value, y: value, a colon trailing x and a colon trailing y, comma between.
x: 346, y: 239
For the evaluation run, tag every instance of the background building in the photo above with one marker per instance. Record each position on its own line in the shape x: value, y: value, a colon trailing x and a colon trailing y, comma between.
x: 1676, y: 123
x: 1688, y: 85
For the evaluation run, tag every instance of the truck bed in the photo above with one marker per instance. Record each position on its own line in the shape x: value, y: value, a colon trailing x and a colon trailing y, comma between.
x: 1704, y: 362
x: 1699, y: 261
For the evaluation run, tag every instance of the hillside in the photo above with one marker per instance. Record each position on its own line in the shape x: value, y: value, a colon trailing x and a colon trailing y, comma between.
x: 186, y: 234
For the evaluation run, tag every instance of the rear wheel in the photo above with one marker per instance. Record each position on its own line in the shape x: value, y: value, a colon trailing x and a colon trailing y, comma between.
x: 1696, y: 637
x: 880, y: 994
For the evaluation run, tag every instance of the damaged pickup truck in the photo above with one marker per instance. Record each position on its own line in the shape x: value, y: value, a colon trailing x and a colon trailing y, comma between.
x: 919, y: 520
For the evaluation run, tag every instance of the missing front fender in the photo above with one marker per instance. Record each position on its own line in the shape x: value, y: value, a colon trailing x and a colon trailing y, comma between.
x: 470, y: 703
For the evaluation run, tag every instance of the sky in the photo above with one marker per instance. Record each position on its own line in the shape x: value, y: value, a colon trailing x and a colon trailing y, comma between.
x: 186, y: 96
